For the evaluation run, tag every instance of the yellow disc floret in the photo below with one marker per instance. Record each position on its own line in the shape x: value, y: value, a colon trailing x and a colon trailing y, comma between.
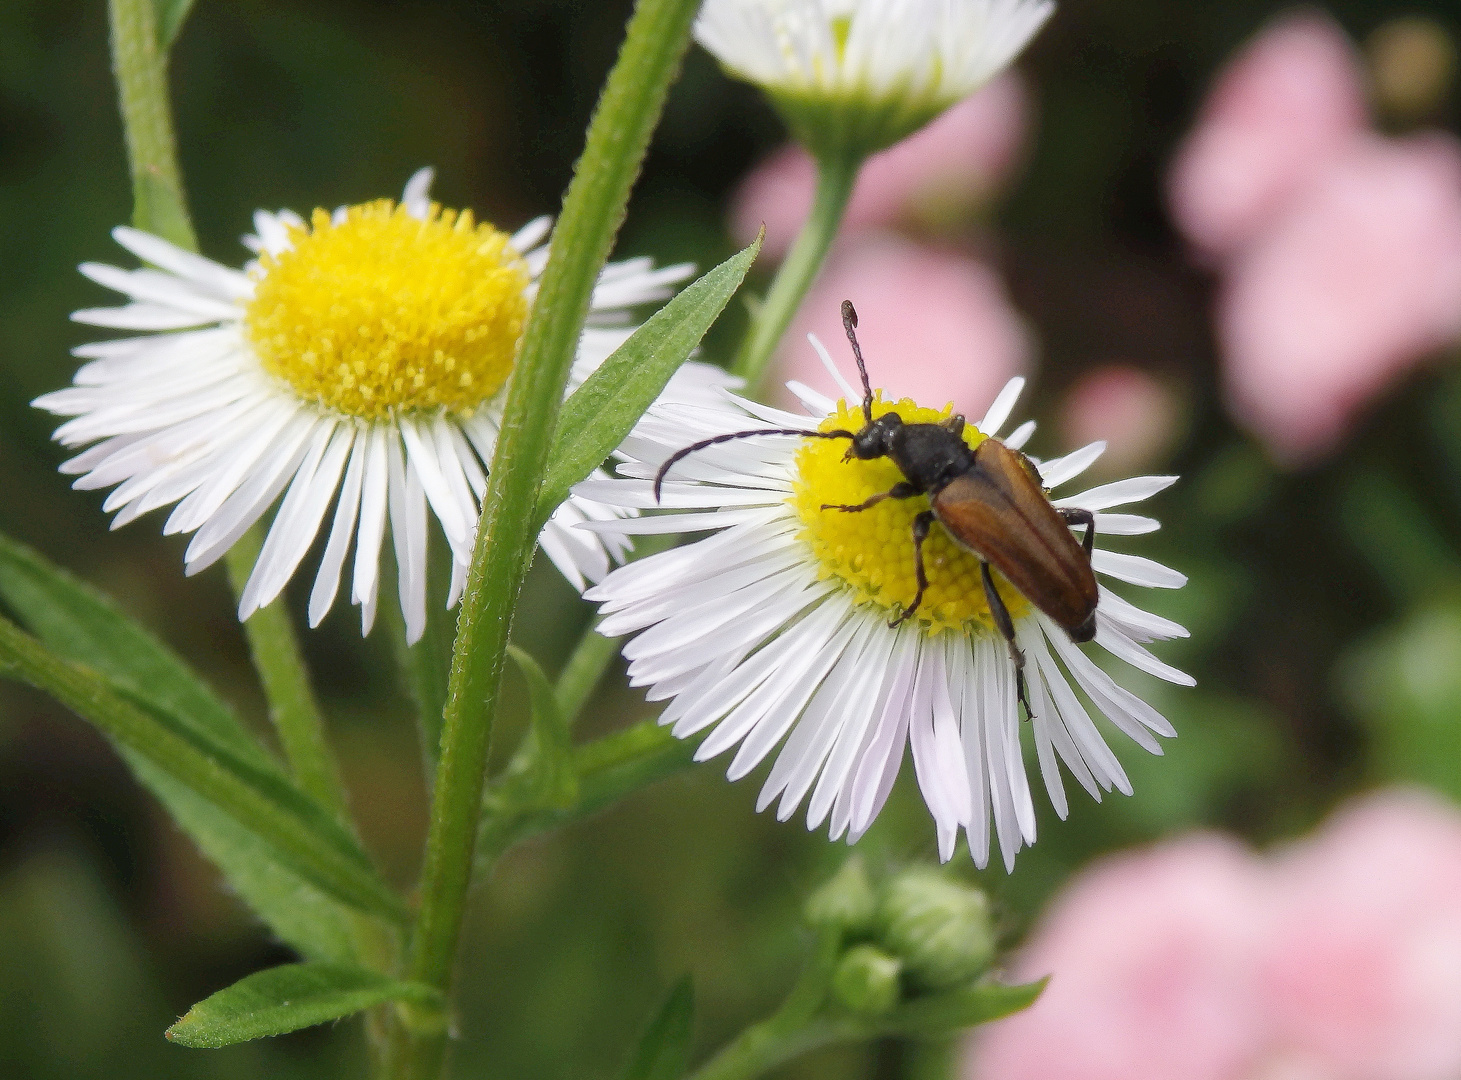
x: 871, y: 551
x: 384, y: 312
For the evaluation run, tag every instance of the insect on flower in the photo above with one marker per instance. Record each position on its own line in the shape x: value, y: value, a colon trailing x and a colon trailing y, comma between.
x: 989, y: 499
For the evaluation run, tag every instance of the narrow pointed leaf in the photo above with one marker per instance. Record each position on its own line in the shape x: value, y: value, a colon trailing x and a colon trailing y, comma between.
x: 171, y: 14
x: 943, y: 1014
x: 300, y: 835
x: 606, y: 770
x: 546, y: 755
x: 597, y: 416
x: 83, y: 625
x: 288, y: 998
x: 664, y: 1050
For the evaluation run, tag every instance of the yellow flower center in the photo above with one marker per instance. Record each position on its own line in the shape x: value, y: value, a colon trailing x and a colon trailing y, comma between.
x: 871, y: 551
x: 385, y: 313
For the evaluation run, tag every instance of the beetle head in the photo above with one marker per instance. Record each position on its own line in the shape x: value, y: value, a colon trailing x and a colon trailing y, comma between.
x: 875, y: 438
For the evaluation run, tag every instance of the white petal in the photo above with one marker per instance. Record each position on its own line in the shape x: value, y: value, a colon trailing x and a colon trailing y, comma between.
x: 1000, y: 408
x: 347, y: 510
x: 1059, y: 471
x: 1136, y: 570
x: 1130, y: 490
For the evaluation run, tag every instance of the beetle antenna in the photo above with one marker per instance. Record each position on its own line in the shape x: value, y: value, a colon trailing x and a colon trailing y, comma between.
x: 684, y: 452
x: 849, y: 323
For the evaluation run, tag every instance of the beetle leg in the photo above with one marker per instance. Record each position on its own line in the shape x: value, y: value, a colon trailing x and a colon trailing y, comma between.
x: 921, y: 524
x: 1006, y: 627
x: 900, y: 490
x: 1086, y: 518
x: 953, y: 424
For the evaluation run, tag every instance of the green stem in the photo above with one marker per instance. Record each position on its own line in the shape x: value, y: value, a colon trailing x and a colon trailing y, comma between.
x: 292, y: 706
x: 140, y: 65
x: 594, y: 653
x: 160, y: 207
x: 798, y: 1026
x: 835, y: 178
x: 593, y: 208
x: 591, y: 658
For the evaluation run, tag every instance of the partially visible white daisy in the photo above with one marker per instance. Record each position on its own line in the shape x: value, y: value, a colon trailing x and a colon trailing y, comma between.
x: 866, y: 73
x: 359, y: 363
x: 775, y: 630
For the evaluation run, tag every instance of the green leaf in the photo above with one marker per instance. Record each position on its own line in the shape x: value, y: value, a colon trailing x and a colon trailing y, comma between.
x: 302, y: 836
x: 171, y: 14
x: 941, y: 1014
x: 83, y: 625
x: 606, y: 770
x: 664, y: 1050
x: 546, y: 753
x: 305, y: 918
x: 288, y: 998
x: 598, y: 415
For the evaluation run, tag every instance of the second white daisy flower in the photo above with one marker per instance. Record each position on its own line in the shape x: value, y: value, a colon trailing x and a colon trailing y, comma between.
x: 776, y: 629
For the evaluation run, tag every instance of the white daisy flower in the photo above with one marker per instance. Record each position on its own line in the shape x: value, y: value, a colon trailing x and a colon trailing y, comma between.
x: 775, y: 630
x: 866, y: 73
x: 359, y: 363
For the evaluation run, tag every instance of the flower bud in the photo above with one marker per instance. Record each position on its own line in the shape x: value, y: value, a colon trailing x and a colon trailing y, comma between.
x: 939, y: 928
x: 845, y: 903
x: 867, y: 980
x: 850, y: 79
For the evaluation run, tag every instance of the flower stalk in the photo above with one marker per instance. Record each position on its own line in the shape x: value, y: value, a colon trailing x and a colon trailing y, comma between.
x: 160, y: 207
x: 618, y: 136
x: 836, y: 175
x: 139, y: 62
x: 293, y: 709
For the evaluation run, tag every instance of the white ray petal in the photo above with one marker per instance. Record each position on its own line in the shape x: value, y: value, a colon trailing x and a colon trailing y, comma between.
x: 1000, y: 408
x: 1136, y: 570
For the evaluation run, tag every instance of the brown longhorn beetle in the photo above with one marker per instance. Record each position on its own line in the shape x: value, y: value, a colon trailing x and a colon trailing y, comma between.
x: 990, y: 500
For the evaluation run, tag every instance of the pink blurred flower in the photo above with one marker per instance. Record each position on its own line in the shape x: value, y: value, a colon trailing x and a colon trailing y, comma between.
x: 1287, y: 105
x: 935, y: 325
x: 1134, y: 413
x: 1363, y: 975
x: 1361, y: 278
x: 1152, y: 960
x: 961, y: 158
x: 1337, y: 958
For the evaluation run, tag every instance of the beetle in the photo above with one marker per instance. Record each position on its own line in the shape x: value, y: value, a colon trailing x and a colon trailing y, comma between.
x: 990, y: 500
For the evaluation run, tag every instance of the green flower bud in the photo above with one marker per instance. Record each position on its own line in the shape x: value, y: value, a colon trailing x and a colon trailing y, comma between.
x: 867, y: 980
x: 940, y: 929
x: 845, y: 903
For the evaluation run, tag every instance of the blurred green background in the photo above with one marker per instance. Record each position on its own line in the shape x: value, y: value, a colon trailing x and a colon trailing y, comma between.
x: 1324, y: 607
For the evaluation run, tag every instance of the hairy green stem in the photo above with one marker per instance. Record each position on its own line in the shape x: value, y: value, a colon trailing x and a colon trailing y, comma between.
x: 593, y: 208
x: 835, y: 178
x: 292, y: 706
x: 140, y: 64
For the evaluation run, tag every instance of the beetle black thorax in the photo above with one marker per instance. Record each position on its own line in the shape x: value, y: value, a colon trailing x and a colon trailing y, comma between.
x: 930, y: 456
